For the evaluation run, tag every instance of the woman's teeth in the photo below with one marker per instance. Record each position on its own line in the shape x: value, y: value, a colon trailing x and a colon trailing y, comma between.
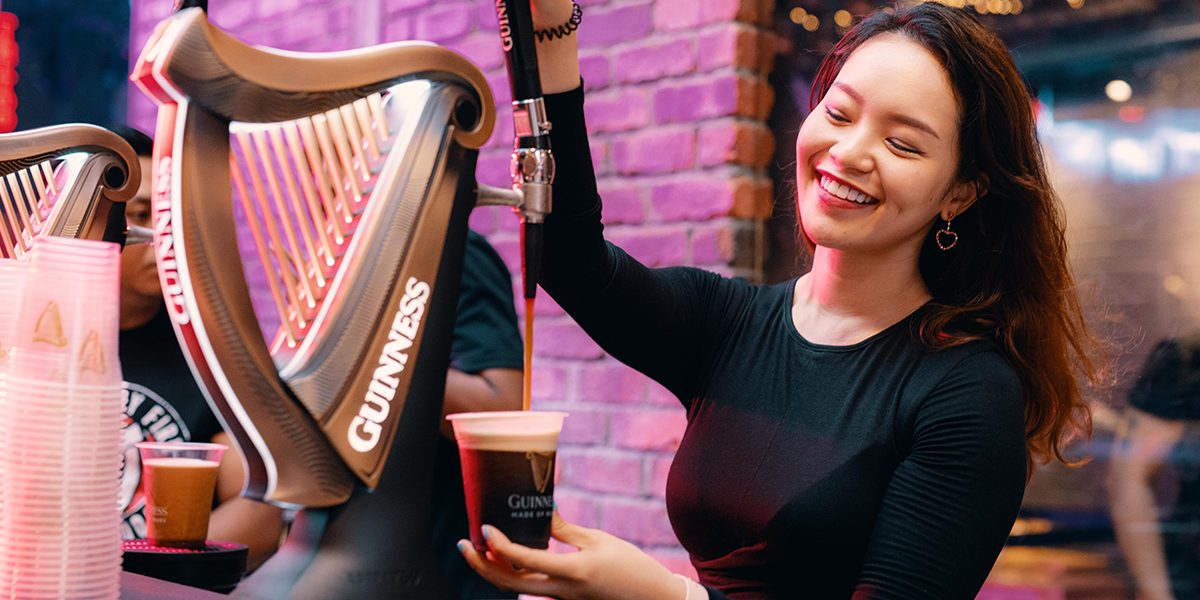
x: 846, y: 192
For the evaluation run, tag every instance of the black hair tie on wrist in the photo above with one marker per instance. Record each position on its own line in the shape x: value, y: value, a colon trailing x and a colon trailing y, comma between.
x: 565, y: 29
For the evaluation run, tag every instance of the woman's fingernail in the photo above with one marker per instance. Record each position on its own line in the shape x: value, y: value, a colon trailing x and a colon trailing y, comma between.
x: 487, y: 531
x: 462, y: 546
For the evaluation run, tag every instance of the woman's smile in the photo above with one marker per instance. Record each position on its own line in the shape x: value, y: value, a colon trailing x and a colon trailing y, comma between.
x: 838, y: 194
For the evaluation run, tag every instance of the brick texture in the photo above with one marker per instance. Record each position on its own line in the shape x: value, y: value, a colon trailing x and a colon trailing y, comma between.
x: 653, y: 246
x: 739, y: 142
x: 444, y: 22
x: 618, y: 110
x: 622, y: 203
x: 653, y: 60
x: 595, y: 69
x: 677, y: 99
x: 616, y: 24
x: 602, y: 470
x: 734, y: 45
x: 639, y: 521
x: 658, y: 150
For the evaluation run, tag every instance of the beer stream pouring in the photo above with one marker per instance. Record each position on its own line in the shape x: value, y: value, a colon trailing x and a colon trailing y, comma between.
x: 336, y: 187
x: 532, y: 166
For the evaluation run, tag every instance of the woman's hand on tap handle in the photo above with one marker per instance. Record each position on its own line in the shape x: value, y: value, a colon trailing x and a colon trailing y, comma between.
x: 558, y: 58
x: 605, y: 568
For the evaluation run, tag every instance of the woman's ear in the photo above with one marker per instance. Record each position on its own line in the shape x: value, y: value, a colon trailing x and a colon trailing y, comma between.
x: 965, y: 194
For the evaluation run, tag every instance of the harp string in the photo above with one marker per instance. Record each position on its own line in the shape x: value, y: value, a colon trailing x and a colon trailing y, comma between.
x: 12, y: 188
x: 292, y: 249
x: 28, y: 198
x: 31, y: 199
x: 300, y: 187
x: 251, y: 218
x: 306, y: 221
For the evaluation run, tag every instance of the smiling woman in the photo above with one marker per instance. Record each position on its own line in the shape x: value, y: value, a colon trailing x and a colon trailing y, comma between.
x: 1009, y: 281
x: 865, y: 430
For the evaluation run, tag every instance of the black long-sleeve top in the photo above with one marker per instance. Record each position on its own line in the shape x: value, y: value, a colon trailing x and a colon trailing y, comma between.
x: 881, y: 469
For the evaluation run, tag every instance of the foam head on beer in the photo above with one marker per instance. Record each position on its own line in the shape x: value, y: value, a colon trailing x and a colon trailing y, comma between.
x: 508, y: 472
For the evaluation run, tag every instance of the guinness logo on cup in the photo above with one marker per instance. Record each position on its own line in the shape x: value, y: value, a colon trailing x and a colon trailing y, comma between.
x: 542, y: 465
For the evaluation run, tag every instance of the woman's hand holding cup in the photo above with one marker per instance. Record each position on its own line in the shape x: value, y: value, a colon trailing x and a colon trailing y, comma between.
x: 605, y: 568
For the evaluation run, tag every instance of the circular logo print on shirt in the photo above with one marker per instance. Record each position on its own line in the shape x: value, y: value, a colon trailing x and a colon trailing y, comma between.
x: 148, y: 418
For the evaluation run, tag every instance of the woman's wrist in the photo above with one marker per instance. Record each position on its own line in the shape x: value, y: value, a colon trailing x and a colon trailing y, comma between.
x: 558, y: 64
x: 558, y: 56
x: 692, y: 589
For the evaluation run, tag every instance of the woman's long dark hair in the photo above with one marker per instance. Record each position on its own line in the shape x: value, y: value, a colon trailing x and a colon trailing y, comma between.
x: 1007, y: 279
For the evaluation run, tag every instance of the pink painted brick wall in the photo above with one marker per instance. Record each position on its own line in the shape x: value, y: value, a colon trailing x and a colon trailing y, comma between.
x: 677, y: 100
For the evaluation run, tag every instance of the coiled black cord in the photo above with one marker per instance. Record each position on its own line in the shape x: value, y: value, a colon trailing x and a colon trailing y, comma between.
x: 565, y: 29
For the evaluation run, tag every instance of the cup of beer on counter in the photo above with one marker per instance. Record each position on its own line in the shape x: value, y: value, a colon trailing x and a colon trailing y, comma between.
x: 179, y: 479
x: 508, y: 472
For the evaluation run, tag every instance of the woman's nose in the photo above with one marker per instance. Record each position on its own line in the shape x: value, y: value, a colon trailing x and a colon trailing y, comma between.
x: 852, y: 152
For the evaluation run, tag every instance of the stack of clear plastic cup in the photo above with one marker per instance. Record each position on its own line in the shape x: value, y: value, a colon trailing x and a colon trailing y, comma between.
x: 61, y: 412
x: 12, y: 286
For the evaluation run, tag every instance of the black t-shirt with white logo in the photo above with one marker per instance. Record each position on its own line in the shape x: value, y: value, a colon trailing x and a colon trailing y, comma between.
x: 163, y: 404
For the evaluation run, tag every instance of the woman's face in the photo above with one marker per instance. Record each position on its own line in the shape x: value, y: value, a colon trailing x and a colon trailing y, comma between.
x: 877, y: 158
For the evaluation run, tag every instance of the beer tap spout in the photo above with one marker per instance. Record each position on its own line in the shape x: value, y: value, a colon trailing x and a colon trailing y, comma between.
x: 139, y: 235
x: 494, y: 196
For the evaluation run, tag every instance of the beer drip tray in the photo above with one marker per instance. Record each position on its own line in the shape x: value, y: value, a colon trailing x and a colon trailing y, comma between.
x: 219, y: 567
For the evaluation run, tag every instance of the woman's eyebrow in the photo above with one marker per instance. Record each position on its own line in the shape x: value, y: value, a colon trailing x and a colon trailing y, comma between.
x: 898, y: 118
x: 849, y: 91
x: 914, y: 123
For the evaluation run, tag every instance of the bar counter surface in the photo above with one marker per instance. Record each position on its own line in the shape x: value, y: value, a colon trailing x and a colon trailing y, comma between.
x: 140, y: 587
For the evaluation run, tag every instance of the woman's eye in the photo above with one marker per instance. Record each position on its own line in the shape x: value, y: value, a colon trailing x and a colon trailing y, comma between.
x: 903, y: 148
x: 835, y: 116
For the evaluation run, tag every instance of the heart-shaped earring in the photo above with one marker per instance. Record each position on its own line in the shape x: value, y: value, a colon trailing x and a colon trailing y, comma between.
x: 945, y: 238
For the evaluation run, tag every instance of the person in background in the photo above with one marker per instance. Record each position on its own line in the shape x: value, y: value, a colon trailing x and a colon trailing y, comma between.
x: 866, y: 430
x: 164, y: 403
x: 1161, y: 441
x: 485, y: 374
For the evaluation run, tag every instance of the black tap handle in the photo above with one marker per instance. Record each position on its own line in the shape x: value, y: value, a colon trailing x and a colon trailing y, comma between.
x: 182, y: 4
x: 531, y: 257
x: 520, y: 48
x: 533, y: 163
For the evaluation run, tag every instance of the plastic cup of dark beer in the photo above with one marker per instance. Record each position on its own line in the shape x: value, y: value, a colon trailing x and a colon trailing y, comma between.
x: 178, y: 480
x: 508, y: 472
